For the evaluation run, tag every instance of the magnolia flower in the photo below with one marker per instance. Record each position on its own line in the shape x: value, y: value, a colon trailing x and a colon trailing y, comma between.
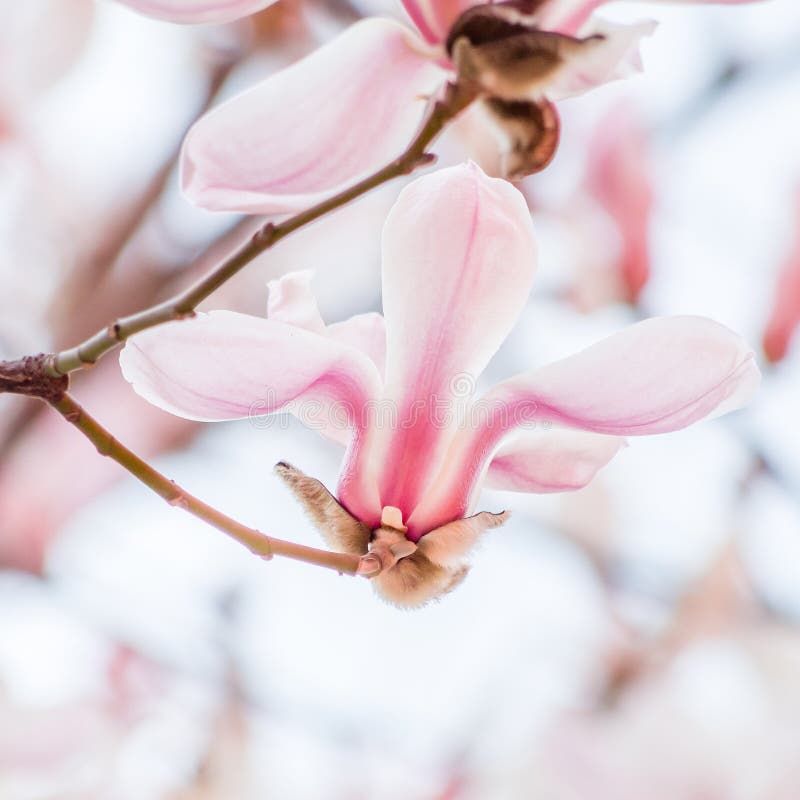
x: 197, y: 10
x: 458, y: 264
x: 353, y: 105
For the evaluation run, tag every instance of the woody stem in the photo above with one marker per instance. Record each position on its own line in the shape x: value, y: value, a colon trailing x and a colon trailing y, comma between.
x: 253, y: 540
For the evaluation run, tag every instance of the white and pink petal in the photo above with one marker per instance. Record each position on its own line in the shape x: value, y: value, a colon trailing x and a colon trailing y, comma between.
x: 613, y: 55
x: 657, y: 376
x: 292, y: 301
x: 367, y: 332
x: 458, y: 264
x: 550, y: 460
x: 225, y: 365
x: 312, y: 129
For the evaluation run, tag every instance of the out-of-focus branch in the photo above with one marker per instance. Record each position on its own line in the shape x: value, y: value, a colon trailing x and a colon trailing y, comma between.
x: 115, y: 240
x: 253, y: 540
x: 456, y: 98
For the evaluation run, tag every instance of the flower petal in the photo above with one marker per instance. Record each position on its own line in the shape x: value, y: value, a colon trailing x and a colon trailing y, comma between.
x: 292, y: 301
x: 613, y: 55
x: 657, y: 376
x: 556, y: 460
x: 225, y: 365
x: 458, y: 263
x: 311, y: 129
x: 367, y: 332
x: 197, y: 10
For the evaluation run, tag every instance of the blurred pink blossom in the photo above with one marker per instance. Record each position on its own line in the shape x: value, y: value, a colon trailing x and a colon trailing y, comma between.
x: 72, y: 750
x: 458, y: 265
x: 619, y: 179
x: 719, y: 724
x: 608, y: 215
x: 785, y: 313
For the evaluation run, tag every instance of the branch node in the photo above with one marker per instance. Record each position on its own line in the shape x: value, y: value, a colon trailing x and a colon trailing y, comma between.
x: 369, y: 566
x: 421, y: 161
x: 32, y: 376
x: 268, y: 542
x: 113, y: 331
x: 74, y: 417
x: 179, y: 499
x: 106, y: 447
x: 265, y: 235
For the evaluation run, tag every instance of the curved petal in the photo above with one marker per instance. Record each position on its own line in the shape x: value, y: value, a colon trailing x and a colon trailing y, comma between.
x: 225, y: 365
x: 657, y: 376
x: 555, y: 460
x: 612, y: 55
x: 458, y: 263
x: 197, y: 10
x: 292, y: 301
x: 434, y: 18
x: 311, y: 129
x: 367, y: 332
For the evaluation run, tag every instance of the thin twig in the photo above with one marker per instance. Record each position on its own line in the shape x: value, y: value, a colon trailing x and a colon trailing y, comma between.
x: 258, y: 543
x: 456, y: 98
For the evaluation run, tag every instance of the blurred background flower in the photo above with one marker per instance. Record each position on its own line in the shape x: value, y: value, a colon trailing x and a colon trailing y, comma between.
x: 637, y: 638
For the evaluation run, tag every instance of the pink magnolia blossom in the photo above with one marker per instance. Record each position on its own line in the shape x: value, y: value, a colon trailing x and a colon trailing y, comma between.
x: 197, y: 10
x: 351, y: 106
x: 458, y: 265
x: 354, y: 104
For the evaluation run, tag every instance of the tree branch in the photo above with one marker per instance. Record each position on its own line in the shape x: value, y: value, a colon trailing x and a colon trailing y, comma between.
x: 256, y: 542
